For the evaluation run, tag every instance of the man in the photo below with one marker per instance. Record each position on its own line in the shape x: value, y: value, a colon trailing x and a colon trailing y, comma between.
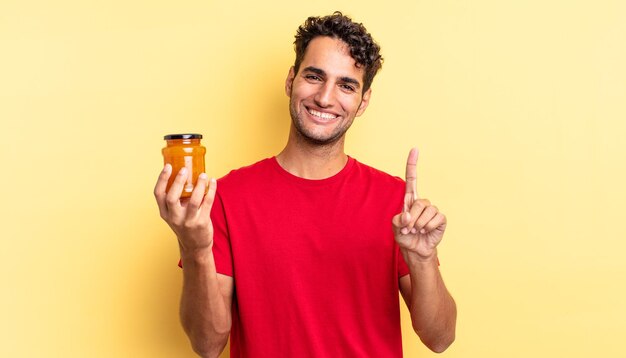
x: 295, y: 256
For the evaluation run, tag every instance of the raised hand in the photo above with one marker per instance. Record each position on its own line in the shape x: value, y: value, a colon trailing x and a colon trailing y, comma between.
x: 420, y: 226
x: 190, y: 217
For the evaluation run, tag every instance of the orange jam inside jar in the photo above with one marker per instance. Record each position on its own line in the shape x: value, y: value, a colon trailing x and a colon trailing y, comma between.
x: 184, y: 150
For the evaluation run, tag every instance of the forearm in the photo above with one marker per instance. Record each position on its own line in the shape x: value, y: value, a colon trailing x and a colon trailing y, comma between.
x: 205, y: 316
x: 433, y: 310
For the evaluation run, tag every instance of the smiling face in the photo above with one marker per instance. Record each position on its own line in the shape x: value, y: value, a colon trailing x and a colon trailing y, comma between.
x: 326, y: 94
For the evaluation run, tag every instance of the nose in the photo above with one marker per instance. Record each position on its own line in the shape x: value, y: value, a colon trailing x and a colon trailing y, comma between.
x: 324, y: 95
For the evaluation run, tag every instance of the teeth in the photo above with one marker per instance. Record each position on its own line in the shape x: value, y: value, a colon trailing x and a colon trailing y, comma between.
x: 322, y: 114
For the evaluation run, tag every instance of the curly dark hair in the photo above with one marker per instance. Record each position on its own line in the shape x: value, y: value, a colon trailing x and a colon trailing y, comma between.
x: 363, y: 49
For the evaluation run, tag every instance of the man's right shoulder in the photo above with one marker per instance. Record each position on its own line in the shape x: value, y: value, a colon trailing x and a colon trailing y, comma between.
x: 243, y: 175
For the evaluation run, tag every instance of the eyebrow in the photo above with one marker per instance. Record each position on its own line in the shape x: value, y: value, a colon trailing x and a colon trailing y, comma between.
x: 322, y: 73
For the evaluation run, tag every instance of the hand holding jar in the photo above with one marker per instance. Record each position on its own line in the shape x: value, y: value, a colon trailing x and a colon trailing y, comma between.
x: 180, y: 192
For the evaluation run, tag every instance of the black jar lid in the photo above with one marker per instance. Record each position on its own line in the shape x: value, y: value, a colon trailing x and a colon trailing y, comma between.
x: 183, y: 136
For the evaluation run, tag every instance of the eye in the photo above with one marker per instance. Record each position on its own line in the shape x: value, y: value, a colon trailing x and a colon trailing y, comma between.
x: 348, y: 87
x: 312, y: 77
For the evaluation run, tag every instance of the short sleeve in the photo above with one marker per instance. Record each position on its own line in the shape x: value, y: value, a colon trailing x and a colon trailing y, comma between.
x: 403, y: 268
x: 221, y: 239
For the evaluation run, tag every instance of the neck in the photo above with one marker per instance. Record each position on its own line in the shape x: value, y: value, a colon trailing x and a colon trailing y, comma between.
x: 312, y: 161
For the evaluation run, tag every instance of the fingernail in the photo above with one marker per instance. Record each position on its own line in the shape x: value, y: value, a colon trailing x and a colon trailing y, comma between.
x: 423, y: 231
x: 183, y: 171
x: 404, y: 231
x: 413, y: 231
x: 213, y: 181
x: 167, y: 167
x: 203, y: 176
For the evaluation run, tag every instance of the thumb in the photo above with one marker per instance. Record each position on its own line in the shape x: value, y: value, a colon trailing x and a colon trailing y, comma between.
x: 405, y: 218
x: 401, y: 220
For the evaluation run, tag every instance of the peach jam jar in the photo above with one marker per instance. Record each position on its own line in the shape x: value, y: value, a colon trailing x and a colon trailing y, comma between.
x: 184, y: 150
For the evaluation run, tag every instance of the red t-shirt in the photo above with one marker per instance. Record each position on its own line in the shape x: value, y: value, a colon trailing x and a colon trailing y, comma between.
x: 314, y: 262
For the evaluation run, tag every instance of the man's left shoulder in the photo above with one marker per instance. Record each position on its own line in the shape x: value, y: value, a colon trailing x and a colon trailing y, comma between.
x: 377, y: 176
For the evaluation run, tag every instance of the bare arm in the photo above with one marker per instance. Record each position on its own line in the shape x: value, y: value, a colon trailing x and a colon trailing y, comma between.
x: 433, y: 311
x: 418, y: 229
x: 205, y: 305
x: 205, y: 308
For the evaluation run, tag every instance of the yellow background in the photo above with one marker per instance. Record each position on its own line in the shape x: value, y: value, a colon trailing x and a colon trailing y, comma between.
x: 518, y: 109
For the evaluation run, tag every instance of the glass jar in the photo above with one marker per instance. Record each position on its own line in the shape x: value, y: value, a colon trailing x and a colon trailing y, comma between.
x: 184, y: 150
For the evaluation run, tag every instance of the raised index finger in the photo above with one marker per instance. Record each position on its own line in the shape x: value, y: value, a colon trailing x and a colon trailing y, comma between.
x: 411, y: 175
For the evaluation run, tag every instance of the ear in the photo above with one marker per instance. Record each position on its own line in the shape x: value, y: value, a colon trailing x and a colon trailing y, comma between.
x: 364, y: 102
x: 289, y: 81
